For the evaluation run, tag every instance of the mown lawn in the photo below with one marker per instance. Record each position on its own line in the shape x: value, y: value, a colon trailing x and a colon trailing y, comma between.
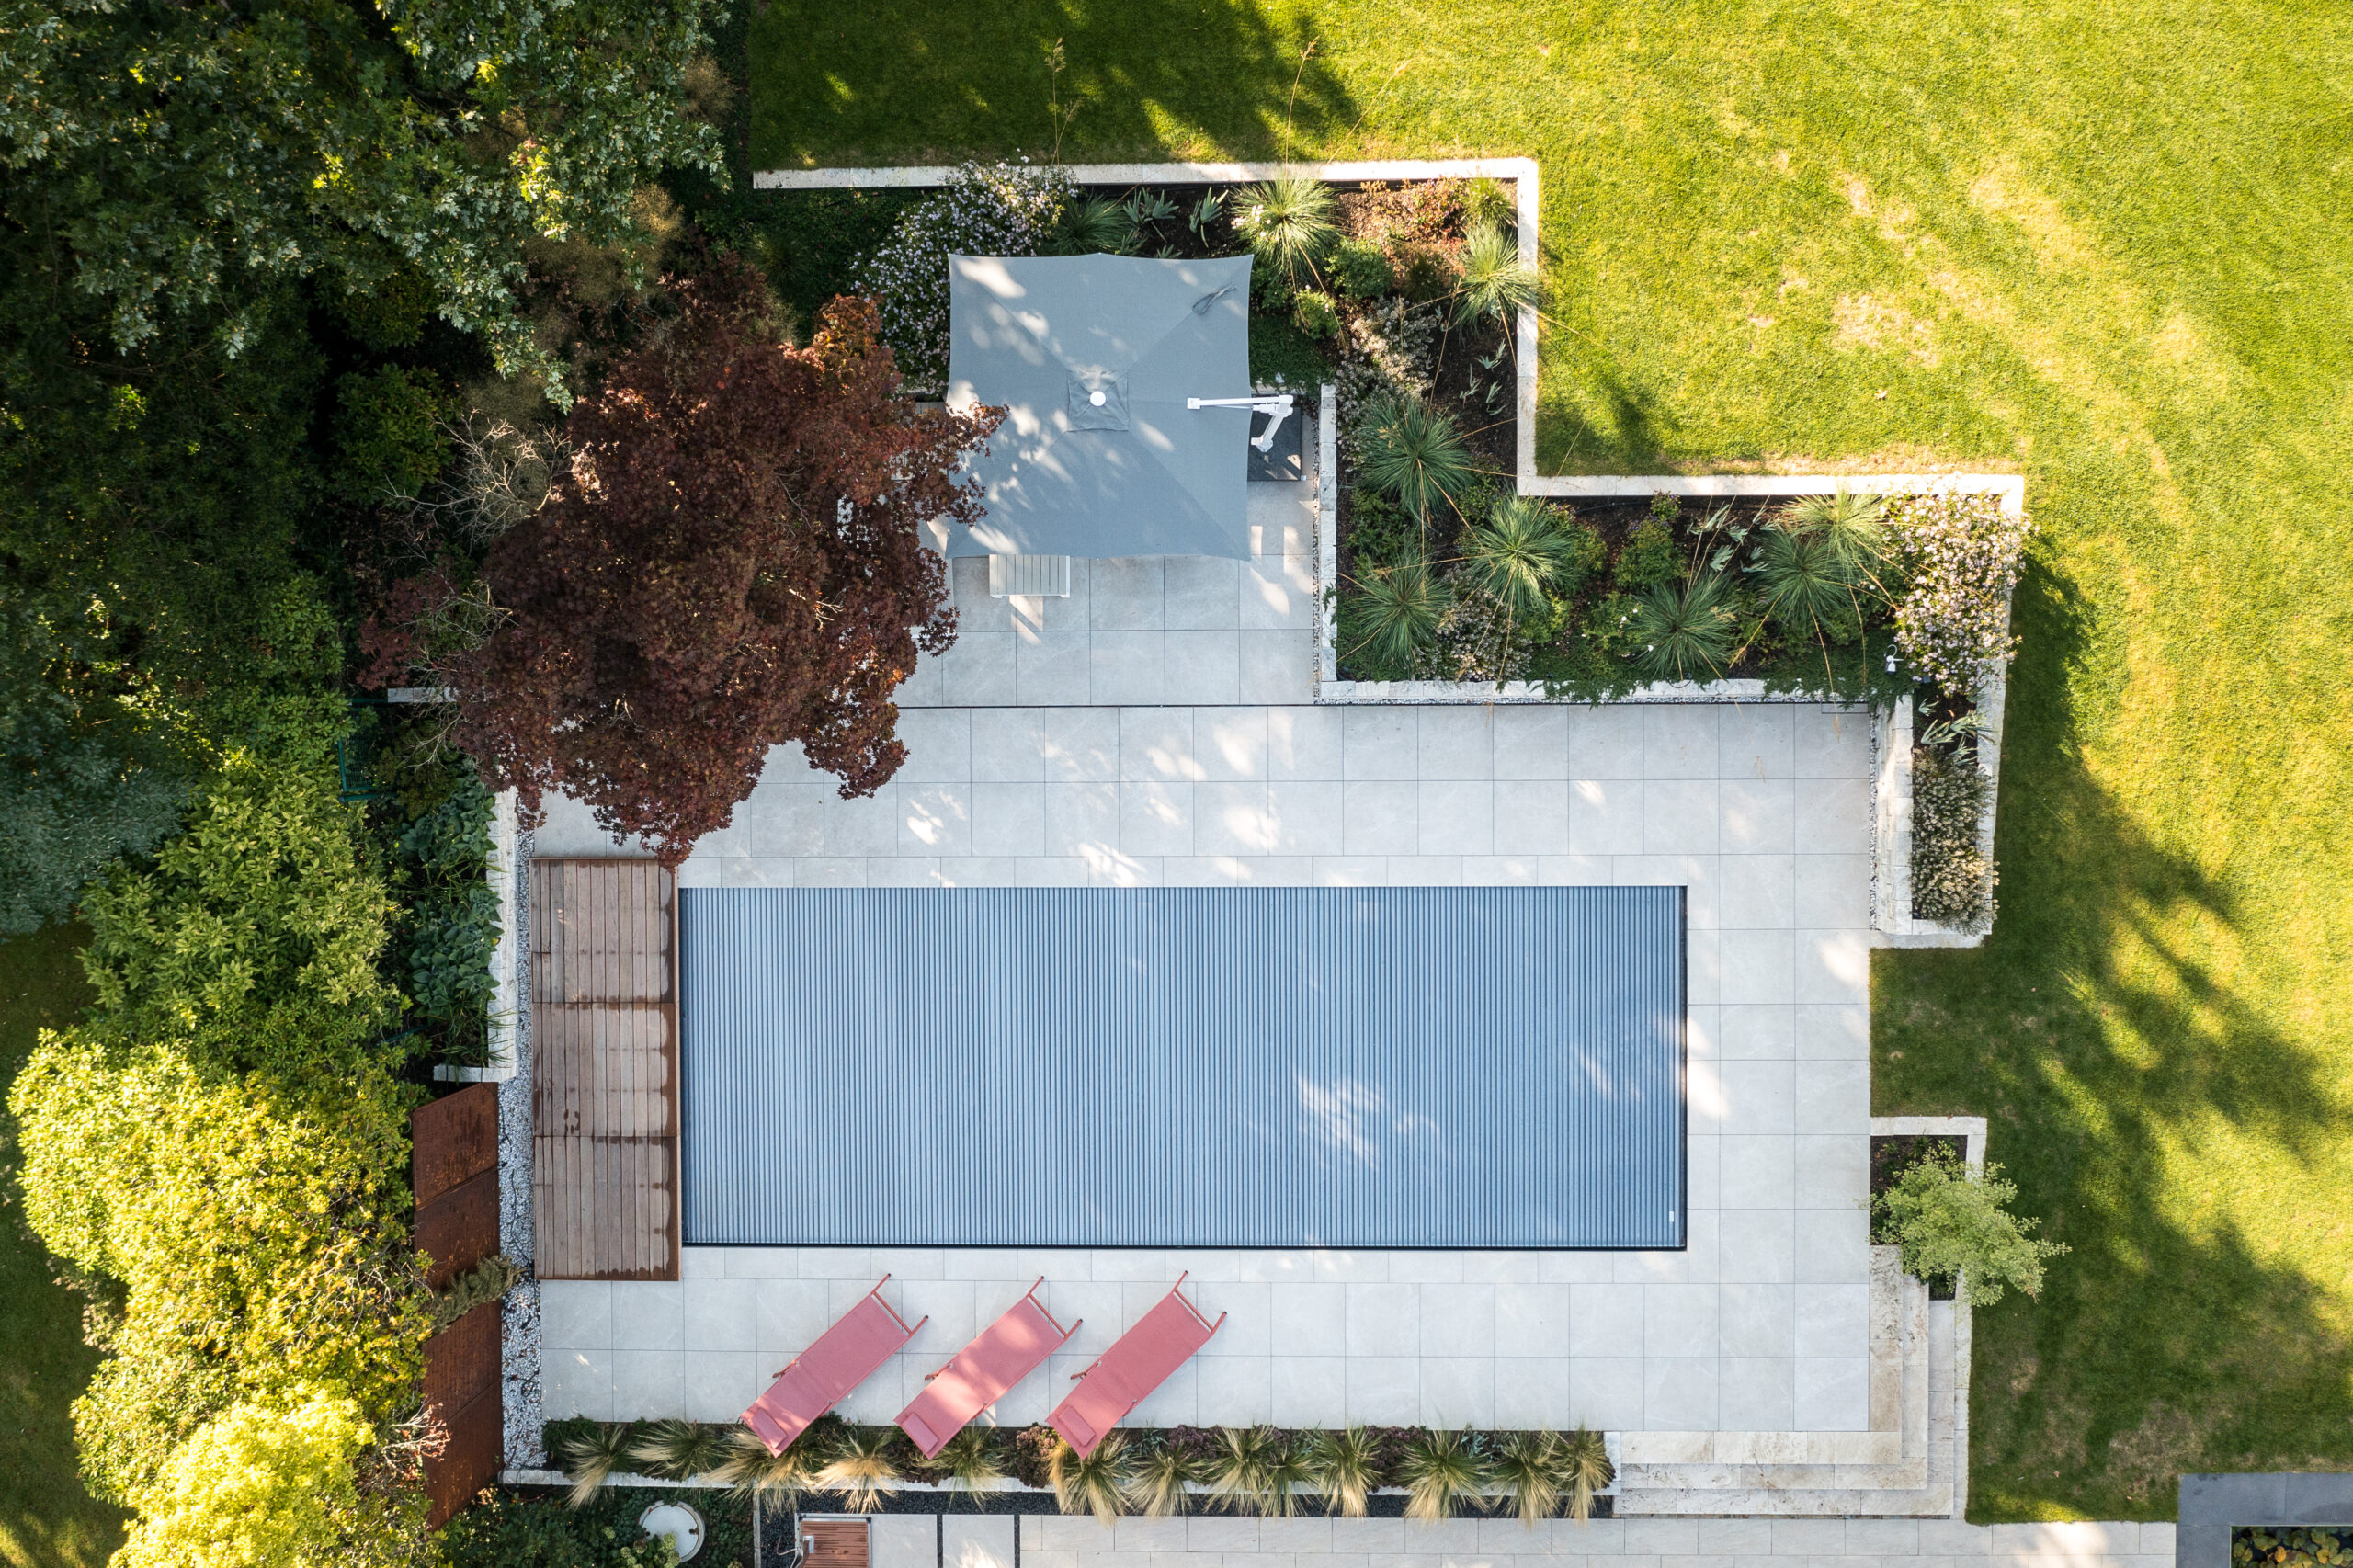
x: 47, y: 1519
x: 2105, y: 242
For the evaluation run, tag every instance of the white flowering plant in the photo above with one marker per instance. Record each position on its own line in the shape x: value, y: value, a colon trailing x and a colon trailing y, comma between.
x: 997, y: 210
x: 1954, y: 558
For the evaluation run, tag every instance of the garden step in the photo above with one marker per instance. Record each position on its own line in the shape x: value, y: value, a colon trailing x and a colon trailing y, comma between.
x: 1908, y: 1464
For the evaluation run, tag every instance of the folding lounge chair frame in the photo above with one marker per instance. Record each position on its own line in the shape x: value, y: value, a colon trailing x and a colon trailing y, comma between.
x: 852, y: 1351
x: 1088, y: 1415
x: 984, y: 1371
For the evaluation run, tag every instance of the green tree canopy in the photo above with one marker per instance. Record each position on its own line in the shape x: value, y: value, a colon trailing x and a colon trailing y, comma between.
x: 177, y: 154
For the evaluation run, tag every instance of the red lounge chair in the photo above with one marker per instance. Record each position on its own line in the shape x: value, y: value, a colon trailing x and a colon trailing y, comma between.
x: 822, y: 1376
x: 1138, y: 1362
x: 1006, y: 1351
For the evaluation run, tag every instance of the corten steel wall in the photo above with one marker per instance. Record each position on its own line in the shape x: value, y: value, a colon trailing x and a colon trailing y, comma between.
x: 454, y: 1169
x: 1258, y: 1067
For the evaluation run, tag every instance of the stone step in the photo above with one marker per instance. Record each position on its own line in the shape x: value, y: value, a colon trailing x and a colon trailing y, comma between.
x: 1907, y: 1465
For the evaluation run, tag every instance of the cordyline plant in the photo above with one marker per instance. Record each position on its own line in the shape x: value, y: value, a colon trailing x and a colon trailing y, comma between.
x: 735, y: 561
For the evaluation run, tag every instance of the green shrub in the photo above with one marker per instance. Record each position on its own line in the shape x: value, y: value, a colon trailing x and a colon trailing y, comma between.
x: 1648, y: 559
x: 508, y: 1531
x: 1281, y: 355
x: 387, y: 432
x: 264, y: 899
x: 1379, y: 532
x: 390, y: 314
x: 1360, y: 271
x: 1951, y: 1222
x: 1423, y: 272
x: 455, y: 915
x: 1952, y: 883
x: 1314, y: 313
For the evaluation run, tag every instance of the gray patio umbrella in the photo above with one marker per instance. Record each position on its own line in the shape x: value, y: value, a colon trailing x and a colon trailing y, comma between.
x: 1094, y: 357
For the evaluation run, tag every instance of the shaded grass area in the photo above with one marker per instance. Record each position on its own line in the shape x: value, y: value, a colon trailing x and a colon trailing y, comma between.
x: 47, y: 1519
x: 2104, y: 243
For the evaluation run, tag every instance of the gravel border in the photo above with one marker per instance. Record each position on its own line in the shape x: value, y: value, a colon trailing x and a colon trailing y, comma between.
x: 519, y: 1318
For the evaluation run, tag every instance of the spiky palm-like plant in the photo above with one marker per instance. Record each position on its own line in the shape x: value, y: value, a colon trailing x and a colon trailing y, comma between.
x: 1686, y: 629
x: 1394, y: 611
x: 1803, y: 581
x: 1583, y: 1469
x: 1414, y: 454
x: 772, y: 1481
x: 1495, y: 283
x: 680, y: 1451
x: 971, y: 1461
x: 1093, y: 1482
x: 859, y: 1467
x: 1156, y: 1482
x: 1340, y: 1465
x: 1852, y: 524
x: 1288, y: 224
x: 1518, y: 552
x: 1527, y: 1471
x: 1094, y: 224
x: 1444, y: 1473
x: 589, y: 1457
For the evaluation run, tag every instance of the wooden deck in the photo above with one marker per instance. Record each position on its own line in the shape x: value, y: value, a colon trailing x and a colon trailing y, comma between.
x: 605, y: 1070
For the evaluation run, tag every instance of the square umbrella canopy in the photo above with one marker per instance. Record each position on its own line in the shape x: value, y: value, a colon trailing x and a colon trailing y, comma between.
x: 1093, y: 358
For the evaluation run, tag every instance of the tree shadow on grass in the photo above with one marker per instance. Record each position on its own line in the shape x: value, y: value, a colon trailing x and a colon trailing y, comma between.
x: 913, y: 81
x: 2166, y: 1128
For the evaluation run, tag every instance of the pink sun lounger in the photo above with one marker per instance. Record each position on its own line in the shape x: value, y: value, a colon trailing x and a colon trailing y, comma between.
x: 1006, y: 1352
x: 822, y: 1376
x: 1138, y: 1362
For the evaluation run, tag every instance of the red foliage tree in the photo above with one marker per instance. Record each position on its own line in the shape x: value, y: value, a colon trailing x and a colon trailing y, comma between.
x: 734, y: 561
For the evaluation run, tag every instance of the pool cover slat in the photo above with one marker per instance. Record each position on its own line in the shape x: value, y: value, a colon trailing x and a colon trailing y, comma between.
x: 1239, y: 1067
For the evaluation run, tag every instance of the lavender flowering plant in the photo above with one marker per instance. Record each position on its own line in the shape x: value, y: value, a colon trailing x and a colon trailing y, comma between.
x: 1956, y: 558
x: 998, y: 210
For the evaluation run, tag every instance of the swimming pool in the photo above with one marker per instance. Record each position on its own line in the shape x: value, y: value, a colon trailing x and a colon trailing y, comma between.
x: 1226, y: 1067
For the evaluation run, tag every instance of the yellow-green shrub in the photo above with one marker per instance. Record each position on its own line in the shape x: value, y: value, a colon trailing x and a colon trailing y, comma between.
x: 258, y: 1488
x: 258, y: 1225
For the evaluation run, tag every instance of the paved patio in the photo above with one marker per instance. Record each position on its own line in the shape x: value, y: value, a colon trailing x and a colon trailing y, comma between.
x: 1157, y: 728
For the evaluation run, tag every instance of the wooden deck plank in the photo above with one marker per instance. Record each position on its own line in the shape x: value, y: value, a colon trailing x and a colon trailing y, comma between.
x: 605, y: 1054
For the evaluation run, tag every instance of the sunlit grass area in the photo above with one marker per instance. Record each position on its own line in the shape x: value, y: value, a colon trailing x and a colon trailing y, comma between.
x: 47, y: 1518
x: 2104, y: 243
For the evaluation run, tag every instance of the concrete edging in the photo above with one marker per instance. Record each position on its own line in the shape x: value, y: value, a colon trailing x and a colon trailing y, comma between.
x: 2212, y: 1505
x: 1972, y: 1128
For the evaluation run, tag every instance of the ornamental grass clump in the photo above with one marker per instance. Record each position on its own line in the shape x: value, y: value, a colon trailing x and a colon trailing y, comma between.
x: 1000, y: 210
x: 1957, y: 558
x: 972, y: 1464
x: 1289, y: 224
x: 1443, y: 1474
x: 1156, y: 1482
x: 1521, y: 552
x: 1494, y: 285
x: 772, y: 1481
x: 1092, y: 1483
x: 860, y: 1467
x: 1341, y: 1465
x: 1685, y: 631
x: 1952, y: 1222
x: 680, y: 1451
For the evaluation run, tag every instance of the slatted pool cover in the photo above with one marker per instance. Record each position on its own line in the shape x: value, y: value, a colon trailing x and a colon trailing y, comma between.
x: 1237, y: 1067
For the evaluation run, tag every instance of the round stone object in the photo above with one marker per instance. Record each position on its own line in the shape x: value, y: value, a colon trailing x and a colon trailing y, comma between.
x: 679, y: 1522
